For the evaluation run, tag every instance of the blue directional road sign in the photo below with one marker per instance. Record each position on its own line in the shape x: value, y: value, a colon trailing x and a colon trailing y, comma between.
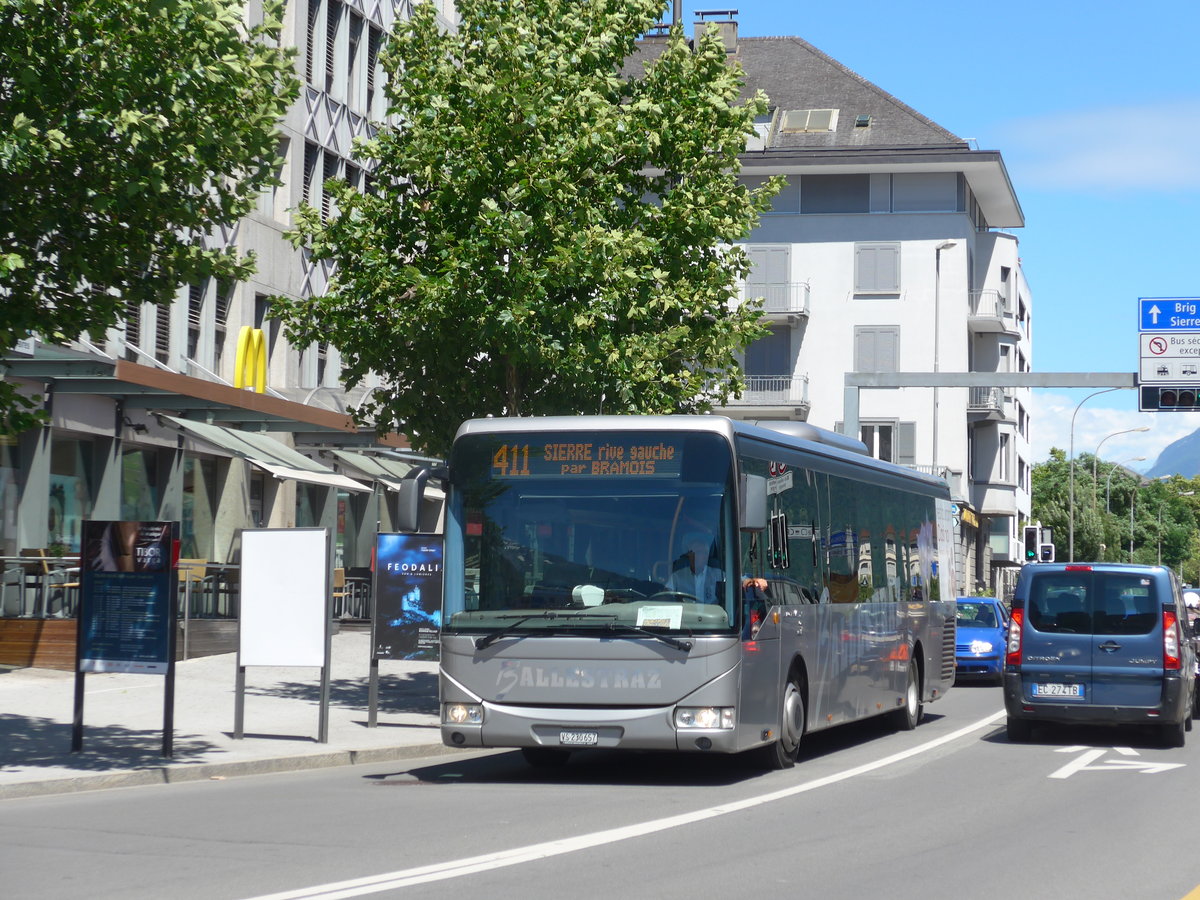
x: 1169, y: 314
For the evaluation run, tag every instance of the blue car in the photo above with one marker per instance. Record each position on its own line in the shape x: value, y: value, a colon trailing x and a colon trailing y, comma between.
x: 979, y: 648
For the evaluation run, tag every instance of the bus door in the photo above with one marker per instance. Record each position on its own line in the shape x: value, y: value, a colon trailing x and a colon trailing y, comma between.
x: 761, y: 681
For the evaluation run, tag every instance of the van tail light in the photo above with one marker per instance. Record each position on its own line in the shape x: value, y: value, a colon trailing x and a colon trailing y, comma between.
x: 1170, y: 640
x: 1013, y: 656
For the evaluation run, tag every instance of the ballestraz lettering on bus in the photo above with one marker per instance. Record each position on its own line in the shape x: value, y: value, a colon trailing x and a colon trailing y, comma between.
x: 515, y: 674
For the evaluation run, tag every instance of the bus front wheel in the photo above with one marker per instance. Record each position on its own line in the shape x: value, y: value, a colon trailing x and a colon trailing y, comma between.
x: 782, y: 753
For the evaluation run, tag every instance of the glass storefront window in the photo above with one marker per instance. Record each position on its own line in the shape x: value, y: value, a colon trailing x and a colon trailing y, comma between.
x: 9, y: 494
x: 70, y: 492
x: 197, y: 532
x: 308, y: 505
x: 140, y: 489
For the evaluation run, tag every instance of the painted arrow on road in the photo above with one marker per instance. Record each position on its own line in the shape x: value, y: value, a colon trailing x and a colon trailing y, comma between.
x: 1084, y: 763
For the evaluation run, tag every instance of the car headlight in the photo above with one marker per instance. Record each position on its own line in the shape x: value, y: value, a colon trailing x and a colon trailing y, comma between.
x: 704, y: 717
x: 981, y: 646
x: 462, y: 713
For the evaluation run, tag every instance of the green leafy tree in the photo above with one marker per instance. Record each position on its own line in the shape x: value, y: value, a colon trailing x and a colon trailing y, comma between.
x: 128, y: 130
x: 543, y: 234
x: 1117, y: 510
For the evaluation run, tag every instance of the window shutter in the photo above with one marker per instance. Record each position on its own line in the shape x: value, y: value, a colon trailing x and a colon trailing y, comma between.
x: 906, y: 443
x: 314, y: 10
x: 333, y: 19
x: 877, y: 268
x: 162, y: 333
x: 864, y: 350
x: 311, y: 153
x: 876, y: 349
x: 328, y: 171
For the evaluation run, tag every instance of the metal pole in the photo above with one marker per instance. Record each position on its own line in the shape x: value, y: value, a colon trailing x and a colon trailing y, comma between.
x: 1132, y: 502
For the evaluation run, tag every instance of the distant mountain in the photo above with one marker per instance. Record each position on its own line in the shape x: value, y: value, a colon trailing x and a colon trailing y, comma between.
x: 1179, y: 458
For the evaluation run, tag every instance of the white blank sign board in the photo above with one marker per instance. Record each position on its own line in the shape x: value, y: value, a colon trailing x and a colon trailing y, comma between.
x: 284, y: 597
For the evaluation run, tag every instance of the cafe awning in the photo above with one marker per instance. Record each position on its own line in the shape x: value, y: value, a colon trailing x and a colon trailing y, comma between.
x: 266, y: 453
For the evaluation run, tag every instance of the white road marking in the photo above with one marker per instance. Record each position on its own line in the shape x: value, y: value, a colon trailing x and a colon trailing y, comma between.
x: 1083, y: 763
x: 371, y: 884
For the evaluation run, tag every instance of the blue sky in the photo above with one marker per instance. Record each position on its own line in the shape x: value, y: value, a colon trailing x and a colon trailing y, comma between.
x: 1095, y: 108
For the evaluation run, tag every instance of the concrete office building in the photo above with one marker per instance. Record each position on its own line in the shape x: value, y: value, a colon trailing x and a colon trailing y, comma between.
x: 145, y: 422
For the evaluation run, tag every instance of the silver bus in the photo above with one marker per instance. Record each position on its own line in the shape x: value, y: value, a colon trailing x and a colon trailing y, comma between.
x: 684, y: 583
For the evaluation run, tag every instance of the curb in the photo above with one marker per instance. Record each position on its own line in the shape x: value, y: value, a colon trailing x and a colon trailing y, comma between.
x: 185, y: 772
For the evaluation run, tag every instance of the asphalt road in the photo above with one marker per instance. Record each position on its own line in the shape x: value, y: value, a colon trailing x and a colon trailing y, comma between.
x: 948, y: 810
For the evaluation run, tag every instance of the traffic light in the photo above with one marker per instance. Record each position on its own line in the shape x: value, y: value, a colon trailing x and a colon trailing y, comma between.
x: 1032, y: 539
x: 1168, y: 397
x: 1046, y: 552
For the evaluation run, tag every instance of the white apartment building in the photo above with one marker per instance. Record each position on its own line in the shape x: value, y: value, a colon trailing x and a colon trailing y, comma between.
x: 884, y: 254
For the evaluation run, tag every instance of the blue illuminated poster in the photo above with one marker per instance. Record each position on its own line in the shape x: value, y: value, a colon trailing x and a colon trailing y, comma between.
x: 408, y: 596
x: 128, y: 580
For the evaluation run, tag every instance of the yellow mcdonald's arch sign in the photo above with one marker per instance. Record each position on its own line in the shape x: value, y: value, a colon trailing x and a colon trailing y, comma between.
x: 250, y: 364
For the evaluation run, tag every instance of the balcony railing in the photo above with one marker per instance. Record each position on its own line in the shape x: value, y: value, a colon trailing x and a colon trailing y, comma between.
x: 784, y: 298
x: 991, y: 311
x: 773, y: 390
x: 986, y: 401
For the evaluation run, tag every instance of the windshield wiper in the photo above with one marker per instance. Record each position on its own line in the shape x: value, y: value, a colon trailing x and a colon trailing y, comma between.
x: 511, y: 628
x: 623, y: 628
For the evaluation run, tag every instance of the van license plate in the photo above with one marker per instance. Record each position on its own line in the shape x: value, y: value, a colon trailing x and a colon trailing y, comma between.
x: 1058, y: 690
x: 579, y: 738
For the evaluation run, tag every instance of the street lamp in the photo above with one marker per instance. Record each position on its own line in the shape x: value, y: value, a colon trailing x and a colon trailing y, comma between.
x: 1133, y: 503
x: 1160, y: 509
x: 1097, y: 456
x: 937, y: 319
x: 1071, y: 478
x: 1108, y: 482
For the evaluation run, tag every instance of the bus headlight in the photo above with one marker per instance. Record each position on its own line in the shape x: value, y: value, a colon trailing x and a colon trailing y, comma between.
x: 704, y: 717
x: 462, y: 713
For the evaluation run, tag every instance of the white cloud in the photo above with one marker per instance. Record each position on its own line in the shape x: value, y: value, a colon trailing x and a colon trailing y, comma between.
x: 1050, y: 426
x: 1151, y: 147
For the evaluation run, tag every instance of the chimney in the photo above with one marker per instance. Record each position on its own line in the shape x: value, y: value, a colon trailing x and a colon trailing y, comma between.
x: 724, y: 19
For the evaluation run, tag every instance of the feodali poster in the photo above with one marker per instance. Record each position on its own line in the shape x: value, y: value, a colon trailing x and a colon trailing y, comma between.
x: 284, y: 597
x: 408, y: 596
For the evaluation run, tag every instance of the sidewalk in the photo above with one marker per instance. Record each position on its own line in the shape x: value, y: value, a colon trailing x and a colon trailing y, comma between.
x: 123, y: 721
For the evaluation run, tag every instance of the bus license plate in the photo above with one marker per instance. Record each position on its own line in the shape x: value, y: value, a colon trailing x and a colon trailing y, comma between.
x: 579, y: 738
x: 1058, y: 690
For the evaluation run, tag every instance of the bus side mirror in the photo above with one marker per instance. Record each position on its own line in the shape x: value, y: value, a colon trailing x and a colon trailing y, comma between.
x: 752, y: 503
x: 410, y: 496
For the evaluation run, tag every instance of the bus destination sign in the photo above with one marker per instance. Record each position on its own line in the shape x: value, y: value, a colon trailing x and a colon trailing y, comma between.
x: 588, y: 459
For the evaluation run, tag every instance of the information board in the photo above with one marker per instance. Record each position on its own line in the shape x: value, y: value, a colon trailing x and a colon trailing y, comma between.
x: 127, y: 588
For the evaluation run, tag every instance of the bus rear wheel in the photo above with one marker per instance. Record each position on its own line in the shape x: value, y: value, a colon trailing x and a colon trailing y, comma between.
x: 907, y: 716
x: 782, y: 753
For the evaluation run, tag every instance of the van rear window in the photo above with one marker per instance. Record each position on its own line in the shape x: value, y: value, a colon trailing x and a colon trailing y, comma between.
x: 1093, y: 603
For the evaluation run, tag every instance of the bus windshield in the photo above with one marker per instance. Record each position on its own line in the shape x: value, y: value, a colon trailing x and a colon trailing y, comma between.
x: 582, y: 533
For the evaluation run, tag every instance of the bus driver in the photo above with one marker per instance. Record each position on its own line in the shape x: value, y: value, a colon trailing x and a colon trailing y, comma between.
x: 692, y: 573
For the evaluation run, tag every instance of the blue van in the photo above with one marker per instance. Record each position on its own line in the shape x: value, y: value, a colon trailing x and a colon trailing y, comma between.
x: 1101, y: 644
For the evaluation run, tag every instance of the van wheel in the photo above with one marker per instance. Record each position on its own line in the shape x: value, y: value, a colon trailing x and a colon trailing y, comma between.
x: 545, y: 757
x: 1173, y: 735
x: 906, y: 717
x: 781, y: 754
x: 1018, y: 730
